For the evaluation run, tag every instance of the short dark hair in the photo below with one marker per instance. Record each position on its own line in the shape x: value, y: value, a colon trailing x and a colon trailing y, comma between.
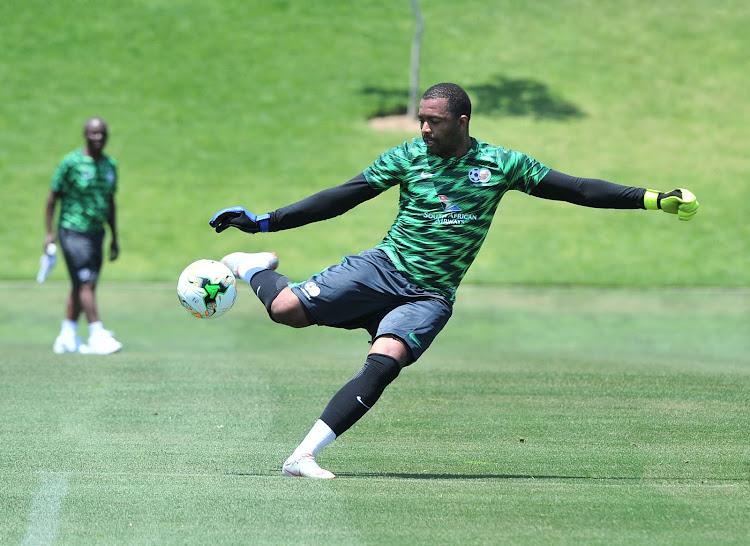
x: 459, y: 103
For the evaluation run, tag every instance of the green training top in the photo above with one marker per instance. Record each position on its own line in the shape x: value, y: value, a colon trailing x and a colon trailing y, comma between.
x: 85, y: 187
x: 446, y: 206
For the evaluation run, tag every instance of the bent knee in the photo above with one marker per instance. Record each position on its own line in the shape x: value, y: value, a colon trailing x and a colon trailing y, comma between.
x: 287, y: 309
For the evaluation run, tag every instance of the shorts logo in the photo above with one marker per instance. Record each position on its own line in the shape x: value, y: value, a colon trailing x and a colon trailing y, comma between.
x: 311, y: 289
x: 84, y: 274
x: 480, y: 177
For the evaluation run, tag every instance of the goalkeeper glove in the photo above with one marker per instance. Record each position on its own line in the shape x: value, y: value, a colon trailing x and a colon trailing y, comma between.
x: 681, y: 202
x: 240, y: 218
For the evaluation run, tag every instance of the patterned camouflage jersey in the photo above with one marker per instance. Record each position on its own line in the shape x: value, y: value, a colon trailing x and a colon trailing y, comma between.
x: 446, y: 206
x: 85, y: 187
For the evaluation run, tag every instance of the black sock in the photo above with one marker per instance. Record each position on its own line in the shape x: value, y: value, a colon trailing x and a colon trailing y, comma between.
x: 361, y: 392
x: 268, y: 284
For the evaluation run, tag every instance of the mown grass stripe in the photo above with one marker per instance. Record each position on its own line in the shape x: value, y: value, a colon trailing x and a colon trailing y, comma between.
x: 44, y: 516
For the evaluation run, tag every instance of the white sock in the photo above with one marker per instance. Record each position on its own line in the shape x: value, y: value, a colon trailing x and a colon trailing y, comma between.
x: 95, y: 327
x: 68, y: 326
x: 247, y: 273
x: 320, y: 436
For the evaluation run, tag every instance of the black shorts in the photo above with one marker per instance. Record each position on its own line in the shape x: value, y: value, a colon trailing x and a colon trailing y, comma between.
x: 83, y: 254
x: 367, y: 291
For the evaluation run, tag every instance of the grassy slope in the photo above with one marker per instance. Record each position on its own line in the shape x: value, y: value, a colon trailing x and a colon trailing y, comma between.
x: 261, y: 105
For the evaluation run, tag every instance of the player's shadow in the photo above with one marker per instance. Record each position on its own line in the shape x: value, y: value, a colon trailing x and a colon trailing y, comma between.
x: 270, y: 472
x: 541, y: 477
x: 501, y: 96
x: 427, y: 476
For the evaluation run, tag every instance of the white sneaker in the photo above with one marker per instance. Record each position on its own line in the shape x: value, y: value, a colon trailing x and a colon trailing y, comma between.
x: 67, y: 343
x: 304, y: 466
x: 241, y: 262
x: 101, y: 343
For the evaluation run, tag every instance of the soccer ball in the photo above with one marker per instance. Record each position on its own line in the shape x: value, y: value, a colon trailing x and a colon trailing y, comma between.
x: 207, y: 289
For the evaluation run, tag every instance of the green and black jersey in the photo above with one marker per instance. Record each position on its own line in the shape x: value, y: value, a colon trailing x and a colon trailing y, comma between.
x: 85, y: 187
x: 446, y: 206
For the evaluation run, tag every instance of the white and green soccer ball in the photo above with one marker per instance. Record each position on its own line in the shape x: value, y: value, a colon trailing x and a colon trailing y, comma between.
x: 207, y: 289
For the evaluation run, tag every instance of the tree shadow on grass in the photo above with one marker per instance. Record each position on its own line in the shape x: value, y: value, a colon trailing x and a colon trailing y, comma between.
x: 500, y: 97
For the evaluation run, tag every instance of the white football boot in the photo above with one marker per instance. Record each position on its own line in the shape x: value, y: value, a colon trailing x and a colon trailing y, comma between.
x: 68, y: 343
x: 304, y: 466
x: 101, y: 342
x: 242, y: 262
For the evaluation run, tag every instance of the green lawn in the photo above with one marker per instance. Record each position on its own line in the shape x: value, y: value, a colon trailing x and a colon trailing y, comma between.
x: 540, y: 415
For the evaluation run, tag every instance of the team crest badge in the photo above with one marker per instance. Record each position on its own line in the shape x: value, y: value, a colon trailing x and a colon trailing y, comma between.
x: 311, y: 289
x: 480, y: 177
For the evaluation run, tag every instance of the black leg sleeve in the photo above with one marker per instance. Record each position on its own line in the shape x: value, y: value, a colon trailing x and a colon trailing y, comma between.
x: 268, y: 284
x: 356, y: 397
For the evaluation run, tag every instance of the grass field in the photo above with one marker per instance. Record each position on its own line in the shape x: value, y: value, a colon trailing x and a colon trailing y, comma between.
x: 540, y: 416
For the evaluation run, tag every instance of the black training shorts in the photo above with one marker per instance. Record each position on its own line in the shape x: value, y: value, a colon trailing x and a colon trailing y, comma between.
x: 83, y: 254
x: 367, y: 291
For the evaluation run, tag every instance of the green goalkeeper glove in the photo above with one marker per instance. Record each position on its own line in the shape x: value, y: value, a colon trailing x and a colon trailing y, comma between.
x: 681, y: 202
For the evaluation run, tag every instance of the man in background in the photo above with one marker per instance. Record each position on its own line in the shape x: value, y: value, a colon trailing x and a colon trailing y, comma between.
x: 85, y: 183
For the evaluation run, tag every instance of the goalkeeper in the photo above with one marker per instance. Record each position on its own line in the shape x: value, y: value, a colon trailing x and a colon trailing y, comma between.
x: 402, y: 291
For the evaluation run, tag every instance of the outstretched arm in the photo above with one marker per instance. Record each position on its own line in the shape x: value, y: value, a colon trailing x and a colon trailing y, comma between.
x: 588, y: 192
x: 323, y: 205
x: 591, y: 192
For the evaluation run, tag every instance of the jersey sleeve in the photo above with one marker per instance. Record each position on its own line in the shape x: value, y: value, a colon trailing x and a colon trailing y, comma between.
x: 59, y: 179
x: 113, y: 163
x: 389, y: 168
x: 522, y: 172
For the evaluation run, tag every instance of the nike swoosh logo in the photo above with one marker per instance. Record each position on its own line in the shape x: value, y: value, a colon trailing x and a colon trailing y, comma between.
x: 359, y: 399
x: 426, y: 175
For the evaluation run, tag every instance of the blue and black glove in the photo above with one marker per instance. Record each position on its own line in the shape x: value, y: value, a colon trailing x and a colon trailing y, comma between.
x: 240, y: 218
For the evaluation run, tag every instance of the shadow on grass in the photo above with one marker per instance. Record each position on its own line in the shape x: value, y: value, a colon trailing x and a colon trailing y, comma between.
x: 502, y: 96
x: 541, y: 478
x: 708, y: 480
x: 409, y: 476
